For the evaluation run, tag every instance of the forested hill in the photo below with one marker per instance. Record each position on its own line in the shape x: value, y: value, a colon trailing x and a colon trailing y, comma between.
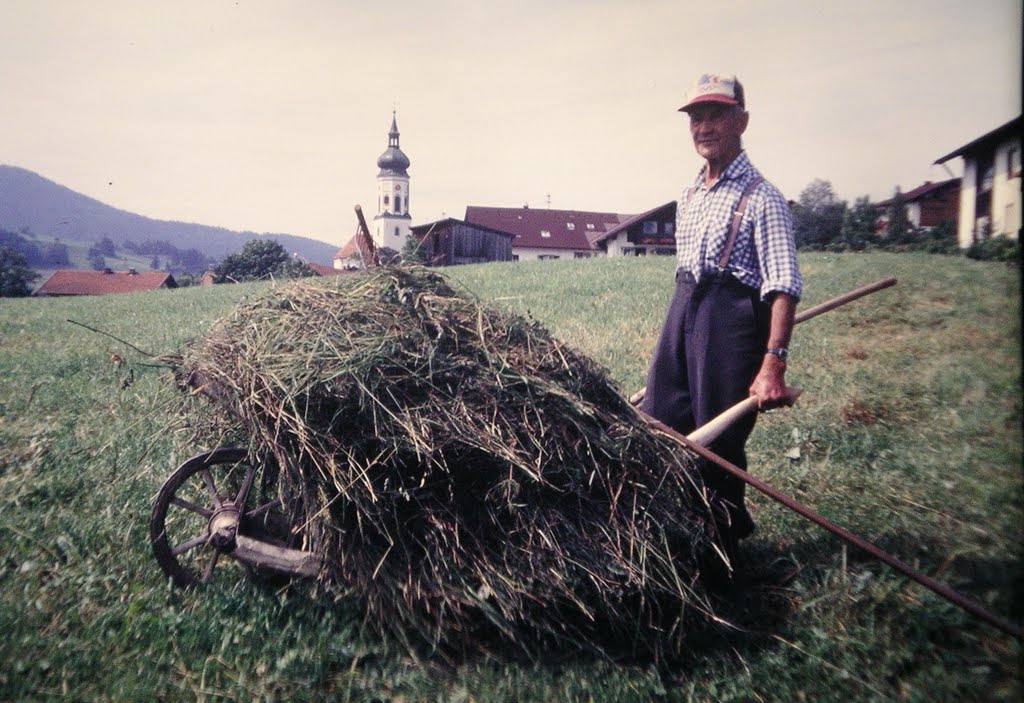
x: 27, y: 200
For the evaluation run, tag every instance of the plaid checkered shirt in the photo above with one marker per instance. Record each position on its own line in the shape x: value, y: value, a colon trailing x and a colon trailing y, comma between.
x: 764, y: 253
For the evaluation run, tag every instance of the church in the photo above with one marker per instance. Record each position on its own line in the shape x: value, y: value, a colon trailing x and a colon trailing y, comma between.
x: 390, y: 227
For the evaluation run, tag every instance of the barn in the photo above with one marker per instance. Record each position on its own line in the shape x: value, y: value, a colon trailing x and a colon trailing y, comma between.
x: 450, y: 241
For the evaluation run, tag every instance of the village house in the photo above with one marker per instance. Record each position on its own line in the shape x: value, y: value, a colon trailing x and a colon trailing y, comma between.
x: 990, y: 190
x: 106, y: 282
x: 927, y: 206
x: 348, y: 258
x: 545, y: 234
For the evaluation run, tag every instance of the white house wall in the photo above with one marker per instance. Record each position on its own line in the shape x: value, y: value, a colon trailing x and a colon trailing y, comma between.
x: 1005, y: 193
x: 968, y: 196
x: 535, y: 253
x: 1005, y: 214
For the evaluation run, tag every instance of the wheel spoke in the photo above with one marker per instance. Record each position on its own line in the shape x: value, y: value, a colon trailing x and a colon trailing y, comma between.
x: 208, y: 480
x: 265, y: 508
x: 191, y: 544
x: 208, y: 571
x: 187, y: 505
x: 243, y: 492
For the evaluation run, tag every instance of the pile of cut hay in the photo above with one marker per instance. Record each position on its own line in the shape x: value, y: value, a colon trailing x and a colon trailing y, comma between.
x: 471, y: 479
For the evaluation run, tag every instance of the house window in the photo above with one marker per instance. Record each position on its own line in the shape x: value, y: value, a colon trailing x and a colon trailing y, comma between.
x: 387, y: 201
x: 545, y: 233
x: 398, y: 232
x: 590, y: 227
x: 985, y: 174
x: 398, y: 203
x: 670, y: 228
x: 582, y: 255
x: 1013, y: 162
x: 570, y: 226
x: 650, y: 227
x: 547, y: 257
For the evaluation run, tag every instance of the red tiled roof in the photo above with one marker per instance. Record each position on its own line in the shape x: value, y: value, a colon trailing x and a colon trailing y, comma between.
x: 350, y: 249
x: 923, y: 190
x: 70, y: 282
x: 324, y: 270
x: 565, y: 229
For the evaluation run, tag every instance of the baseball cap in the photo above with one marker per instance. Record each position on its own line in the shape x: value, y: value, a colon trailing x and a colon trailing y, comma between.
x: 714, y: 88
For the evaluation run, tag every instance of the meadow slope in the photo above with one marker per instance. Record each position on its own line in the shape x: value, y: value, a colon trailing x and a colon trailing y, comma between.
x: 909, y: 434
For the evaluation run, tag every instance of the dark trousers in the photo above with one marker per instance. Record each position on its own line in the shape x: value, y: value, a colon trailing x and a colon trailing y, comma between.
x: 711, y: 347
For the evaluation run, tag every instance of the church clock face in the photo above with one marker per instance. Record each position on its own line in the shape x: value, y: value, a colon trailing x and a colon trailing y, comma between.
x: 398, y: 187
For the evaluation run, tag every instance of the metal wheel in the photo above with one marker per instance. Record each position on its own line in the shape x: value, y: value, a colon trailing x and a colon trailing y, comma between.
x: 203, y: 506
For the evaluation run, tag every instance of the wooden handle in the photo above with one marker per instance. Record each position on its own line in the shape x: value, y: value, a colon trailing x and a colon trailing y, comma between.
x: 843, y: 299
x: 713, y: 428
x: 807, y: 314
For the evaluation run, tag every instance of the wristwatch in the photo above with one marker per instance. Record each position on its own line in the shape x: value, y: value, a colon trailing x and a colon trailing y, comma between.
x: 778, y: 351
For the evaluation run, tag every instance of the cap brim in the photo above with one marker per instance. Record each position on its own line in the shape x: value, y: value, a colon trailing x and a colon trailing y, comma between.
x: 700, y: 99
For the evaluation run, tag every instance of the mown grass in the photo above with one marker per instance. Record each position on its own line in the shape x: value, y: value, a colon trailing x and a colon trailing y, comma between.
x: 909, y: 434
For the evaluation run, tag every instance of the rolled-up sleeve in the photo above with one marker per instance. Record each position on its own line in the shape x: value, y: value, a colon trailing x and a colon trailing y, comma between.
x: 775, y: 244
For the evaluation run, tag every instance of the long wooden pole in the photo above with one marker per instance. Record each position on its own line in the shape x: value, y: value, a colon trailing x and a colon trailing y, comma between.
x: 364, y: 242
x: 931, y: 584
x: 813, y: 312
x: 843, y: 299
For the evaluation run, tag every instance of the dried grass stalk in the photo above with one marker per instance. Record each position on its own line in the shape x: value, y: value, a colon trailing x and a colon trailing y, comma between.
x: 470, y: 477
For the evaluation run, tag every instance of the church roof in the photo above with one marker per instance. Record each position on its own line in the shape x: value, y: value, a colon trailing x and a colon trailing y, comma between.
x: 393, y: 162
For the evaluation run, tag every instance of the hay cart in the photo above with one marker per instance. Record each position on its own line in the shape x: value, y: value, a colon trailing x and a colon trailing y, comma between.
x: 229, y: 502
x: 222, y: 503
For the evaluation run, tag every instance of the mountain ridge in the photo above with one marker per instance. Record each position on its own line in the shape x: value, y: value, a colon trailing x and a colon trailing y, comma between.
x: 45, y: 207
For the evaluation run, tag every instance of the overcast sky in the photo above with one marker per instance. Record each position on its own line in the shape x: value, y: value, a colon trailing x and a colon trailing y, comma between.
x: 270, y: 116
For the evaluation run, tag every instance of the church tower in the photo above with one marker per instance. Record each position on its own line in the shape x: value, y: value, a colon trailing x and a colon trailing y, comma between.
x: 391, y: 225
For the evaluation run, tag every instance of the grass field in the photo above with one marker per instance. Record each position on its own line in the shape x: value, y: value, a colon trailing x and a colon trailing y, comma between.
x: 909, y: 434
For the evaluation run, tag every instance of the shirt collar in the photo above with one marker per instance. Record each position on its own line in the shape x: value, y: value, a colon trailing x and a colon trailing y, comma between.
x: 738, y: 168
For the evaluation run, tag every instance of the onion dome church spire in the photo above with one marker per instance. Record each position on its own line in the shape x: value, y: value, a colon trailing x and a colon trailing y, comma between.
x: 391, y: 225
x: 393, y: 161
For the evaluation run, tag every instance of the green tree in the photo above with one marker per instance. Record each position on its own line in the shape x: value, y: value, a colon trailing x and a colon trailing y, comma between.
x: 56, y: 255
x: 15, y: 275
x: 260, y: 258
x: 106, y: 247
x: 898, y: 230
x: 818, y: 216
x: 859, y: 224
x: 415, y: 251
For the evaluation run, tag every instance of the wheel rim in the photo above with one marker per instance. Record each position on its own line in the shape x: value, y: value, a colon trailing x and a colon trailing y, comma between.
x: 199, y: 510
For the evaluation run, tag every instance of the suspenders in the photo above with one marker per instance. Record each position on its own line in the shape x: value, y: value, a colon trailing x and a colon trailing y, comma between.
x: 734, y: 227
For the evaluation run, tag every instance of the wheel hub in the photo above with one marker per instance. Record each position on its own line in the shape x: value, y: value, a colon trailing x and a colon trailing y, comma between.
x: 223, y: 527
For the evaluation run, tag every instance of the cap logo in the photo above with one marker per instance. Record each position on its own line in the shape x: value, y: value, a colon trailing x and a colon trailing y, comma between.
x: 710, y: 84
x: 714, y: 88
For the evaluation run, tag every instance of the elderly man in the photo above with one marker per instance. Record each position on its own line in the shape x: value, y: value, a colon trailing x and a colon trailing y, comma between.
x: 727, y: 329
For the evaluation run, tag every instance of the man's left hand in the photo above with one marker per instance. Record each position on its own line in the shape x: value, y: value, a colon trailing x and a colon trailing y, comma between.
x: 769, y: 385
